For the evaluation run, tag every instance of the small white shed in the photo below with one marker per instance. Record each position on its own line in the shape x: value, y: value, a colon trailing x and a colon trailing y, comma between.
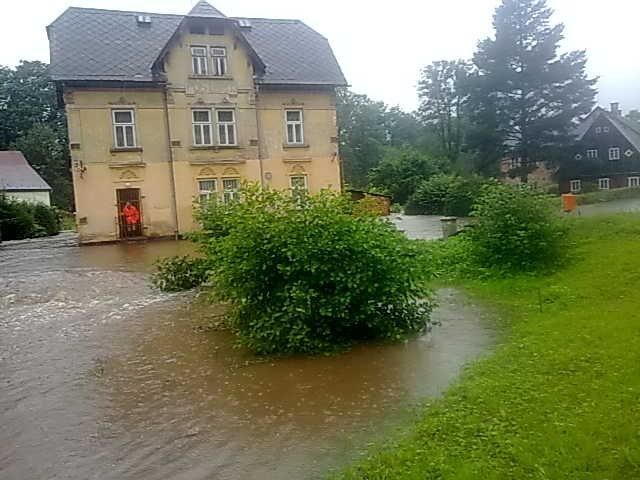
x: 19, y: 181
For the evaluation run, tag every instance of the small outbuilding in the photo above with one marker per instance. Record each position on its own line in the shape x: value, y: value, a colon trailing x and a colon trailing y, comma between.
x: 20, y: 182
x: 379, y: 202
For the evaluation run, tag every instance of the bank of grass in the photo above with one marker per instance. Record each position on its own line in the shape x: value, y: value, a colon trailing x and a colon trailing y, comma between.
x: 600, y: 196
x: 559, y: 397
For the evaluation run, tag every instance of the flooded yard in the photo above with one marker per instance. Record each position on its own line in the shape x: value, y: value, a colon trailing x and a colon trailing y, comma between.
x: 103, y: 377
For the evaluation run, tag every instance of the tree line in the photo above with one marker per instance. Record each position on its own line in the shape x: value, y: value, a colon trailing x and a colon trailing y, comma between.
x: 517, y: 97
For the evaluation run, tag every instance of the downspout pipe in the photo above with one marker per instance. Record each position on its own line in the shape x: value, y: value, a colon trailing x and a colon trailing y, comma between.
x: 259, y: 132
x: 172, y: 173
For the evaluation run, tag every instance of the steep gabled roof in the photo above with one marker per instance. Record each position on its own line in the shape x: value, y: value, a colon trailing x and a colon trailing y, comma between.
x: 628, y: 129
x: 110, y: 45
x: 204, y: 9
x: 293, y: 53
x: 17, y: 174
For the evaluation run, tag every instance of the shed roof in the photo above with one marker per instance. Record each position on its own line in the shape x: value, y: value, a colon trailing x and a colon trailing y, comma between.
x: 109, y: 45
x: 16, y: 174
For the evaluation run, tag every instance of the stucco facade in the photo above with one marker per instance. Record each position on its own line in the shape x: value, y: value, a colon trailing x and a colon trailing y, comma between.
x: 164, y: 156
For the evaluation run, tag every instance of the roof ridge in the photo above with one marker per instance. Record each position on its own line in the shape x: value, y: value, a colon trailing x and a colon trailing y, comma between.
x: 126, y: 12
x: 283, y: 20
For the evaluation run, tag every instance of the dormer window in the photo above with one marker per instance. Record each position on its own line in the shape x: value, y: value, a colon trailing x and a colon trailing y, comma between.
x: 219, y: 61
x: 199, y: 60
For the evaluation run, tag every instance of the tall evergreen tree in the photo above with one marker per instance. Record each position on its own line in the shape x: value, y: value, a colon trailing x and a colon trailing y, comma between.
x: 524, y: 90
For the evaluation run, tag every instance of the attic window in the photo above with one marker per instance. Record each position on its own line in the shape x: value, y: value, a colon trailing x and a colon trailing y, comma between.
x: 598, y: 129
x: 199, y: 60
x: 219, y: 60
x: 244, y: 23
x: 605, y: 129
x: 614, y: 153
x: 143, y: 20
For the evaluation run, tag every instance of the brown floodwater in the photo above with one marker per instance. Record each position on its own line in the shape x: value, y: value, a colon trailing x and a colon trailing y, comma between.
x: 102, y: 377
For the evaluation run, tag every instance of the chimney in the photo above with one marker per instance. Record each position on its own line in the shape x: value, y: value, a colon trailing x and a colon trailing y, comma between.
x: 615, y: 109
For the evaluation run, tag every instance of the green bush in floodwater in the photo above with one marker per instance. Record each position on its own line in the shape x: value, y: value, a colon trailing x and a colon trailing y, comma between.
x: 307, y: 274
x: 176, y: 274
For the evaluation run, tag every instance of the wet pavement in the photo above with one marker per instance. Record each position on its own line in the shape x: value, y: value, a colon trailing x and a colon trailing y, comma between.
x: 422, y: 227
x: 102, y: 377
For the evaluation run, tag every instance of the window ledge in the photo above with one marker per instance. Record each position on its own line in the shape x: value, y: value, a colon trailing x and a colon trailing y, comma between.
x: 214, y: 147
x: 210, y: 77
x: 125, y: 149
x: 295, y: 145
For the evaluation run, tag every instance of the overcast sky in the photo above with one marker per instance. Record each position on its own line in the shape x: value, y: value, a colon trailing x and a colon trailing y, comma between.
x: 381, y: 47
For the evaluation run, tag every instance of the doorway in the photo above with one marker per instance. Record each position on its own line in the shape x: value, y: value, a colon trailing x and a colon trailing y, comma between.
x: 129, y: 212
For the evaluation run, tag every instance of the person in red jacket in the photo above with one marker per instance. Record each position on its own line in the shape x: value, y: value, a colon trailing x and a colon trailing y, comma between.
x: 131, y: 216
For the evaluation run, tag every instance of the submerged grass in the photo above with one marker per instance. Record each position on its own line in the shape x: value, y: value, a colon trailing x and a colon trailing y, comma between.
x: 559, y: 398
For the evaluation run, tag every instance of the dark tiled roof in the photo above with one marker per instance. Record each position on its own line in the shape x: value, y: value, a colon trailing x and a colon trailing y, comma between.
x: 17, y: 174
x: 628, y: 129
x: 92, y: 44
x: 293, y: 53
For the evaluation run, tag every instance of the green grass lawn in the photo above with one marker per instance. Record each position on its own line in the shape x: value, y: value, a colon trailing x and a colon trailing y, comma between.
x: 559, y: 397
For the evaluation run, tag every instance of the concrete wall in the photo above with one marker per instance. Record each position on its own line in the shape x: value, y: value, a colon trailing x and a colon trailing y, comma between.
x: 259, y: 156
x: 30, y: 196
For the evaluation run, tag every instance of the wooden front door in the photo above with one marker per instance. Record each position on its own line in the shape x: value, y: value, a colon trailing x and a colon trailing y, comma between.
x: 129, y: 212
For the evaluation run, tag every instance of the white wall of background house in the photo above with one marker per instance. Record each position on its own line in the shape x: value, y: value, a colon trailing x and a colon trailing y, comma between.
x: 29, y: 196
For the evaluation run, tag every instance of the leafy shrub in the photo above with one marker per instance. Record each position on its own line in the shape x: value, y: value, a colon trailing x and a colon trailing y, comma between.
x: 516, y: 228
x: 16, y: 220
x: 401, y: 170
x: 303, y: 277
x: 180, y: 273
x: 46, y: 218
x: 445, y: 194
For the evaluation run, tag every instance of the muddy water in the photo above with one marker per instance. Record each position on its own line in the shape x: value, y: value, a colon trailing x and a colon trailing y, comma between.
x: 102, y: 377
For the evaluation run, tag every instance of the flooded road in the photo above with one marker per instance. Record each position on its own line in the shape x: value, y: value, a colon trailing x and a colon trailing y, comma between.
x: 102, y: 377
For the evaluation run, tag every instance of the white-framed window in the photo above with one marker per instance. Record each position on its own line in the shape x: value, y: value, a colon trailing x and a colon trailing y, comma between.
x: 633, y: 182
x: 614, y: 153
x: 575, y: 186
x: 124, y: 128
x: 605, y: 129
x: 199, y: 60
x: 226, y: 127
x: 299, y: 187
x: 207, y: 188
x: 202, y: 128
x: 230, y: 189
x: 598, y: 130
x: 592, y: 153
x: 295, y: 127
x: 604, y: 183
x: 219, y: 61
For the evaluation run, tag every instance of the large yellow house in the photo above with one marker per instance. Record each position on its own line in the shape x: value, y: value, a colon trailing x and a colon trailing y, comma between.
x: 167, y: 109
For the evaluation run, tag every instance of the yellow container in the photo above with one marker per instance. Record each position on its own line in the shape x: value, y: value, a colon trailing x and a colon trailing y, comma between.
x: 569, y: 202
